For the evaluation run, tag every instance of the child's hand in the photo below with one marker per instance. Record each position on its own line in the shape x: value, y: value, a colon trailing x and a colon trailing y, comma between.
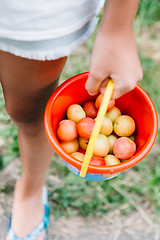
x: 114, y: 55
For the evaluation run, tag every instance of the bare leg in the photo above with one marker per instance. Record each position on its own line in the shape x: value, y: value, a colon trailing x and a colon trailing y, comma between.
x: 27, y: 85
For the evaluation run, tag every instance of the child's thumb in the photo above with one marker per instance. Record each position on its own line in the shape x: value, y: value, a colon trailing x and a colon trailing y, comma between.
x: 93, y: 84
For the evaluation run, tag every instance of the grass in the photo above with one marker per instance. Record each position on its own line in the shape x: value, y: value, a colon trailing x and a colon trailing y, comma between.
x: 149, y: 12
x: 129, y: 190
x: 132, y: 188
x: 8, y: 132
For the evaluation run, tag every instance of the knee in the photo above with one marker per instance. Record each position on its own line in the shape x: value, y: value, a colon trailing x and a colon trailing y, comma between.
x: 28, y: 109
x: 24, y: 114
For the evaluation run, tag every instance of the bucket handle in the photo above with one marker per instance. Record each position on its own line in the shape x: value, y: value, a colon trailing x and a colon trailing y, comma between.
x: 97, y: 126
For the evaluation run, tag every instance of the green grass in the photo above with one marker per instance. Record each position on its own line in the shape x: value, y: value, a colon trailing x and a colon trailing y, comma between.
x: 8, y: 132
x: 127, y: 191
x: 130, y: 189
x: 149, y: 12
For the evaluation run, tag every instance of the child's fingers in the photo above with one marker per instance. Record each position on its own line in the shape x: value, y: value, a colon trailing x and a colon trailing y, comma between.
x: 93, y: 84
x: 103, y: 85
x: 120, y: 87
x: 120, y: 90
x: 122, y: 84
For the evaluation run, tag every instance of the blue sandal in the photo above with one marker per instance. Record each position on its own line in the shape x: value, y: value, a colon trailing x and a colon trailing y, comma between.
x: 39, y: 228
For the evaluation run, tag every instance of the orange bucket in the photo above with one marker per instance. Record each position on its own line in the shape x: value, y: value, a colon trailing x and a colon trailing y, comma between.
x: 136, y: 104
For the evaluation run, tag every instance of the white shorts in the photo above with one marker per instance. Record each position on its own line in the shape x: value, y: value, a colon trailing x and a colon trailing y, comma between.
x: 46, y: 29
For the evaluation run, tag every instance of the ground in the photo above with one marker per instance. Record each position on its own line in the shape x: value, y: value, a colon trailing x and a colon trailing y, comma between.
x: 137, y: 225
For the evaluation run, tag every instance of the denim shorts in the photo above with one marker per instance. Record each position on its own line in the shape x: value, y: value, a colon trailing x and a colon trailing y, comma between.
x: 52, y: 46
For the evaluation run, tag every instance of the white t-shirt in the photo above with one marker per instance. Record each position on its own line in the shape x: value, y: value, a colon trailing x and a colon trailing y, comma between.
x: 32, y: 20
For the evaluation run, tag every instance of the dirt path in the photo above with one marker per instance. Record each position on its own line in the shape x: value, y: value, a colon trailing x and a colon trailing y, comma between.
x: 148, y: 41
x: 113, y: 226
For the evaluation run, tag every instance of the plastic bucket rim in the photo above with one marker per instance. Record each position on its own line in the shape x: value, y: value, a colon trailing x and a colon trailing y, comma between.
x: 94, y: 169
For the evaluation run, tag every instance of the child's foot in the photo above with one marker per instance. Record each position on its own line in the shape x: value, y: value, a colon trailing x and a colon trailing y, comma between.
x: 27, y: 211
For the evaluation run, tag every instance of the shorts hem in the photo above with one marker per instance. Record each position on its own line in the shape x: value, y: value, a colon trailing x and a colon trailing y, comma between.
x: 51, y: 54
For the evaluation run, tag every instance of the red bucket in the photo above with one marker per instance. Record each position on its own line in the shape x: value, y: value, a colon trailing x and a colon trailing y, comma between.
x: 136, y: 104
